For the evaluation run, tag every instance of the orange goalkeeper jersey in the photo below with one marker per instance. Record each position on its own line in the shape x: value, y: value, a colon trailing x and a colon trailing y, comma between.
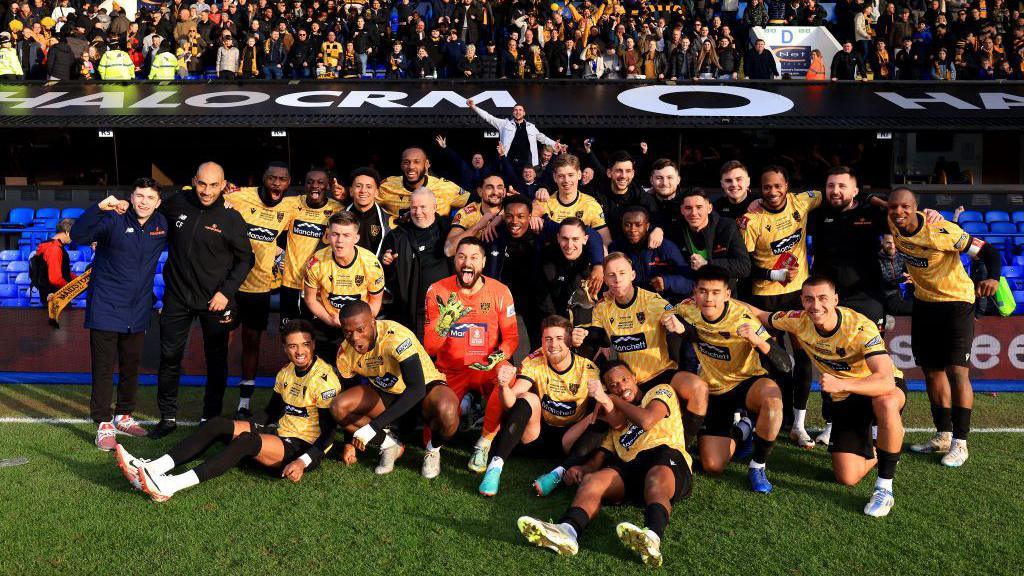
x: 488, y: 325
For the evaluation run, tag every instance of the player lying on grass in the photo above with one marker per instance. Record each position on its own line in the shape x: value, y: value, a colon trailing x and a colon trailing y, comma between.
x: 547, y: 408
x: 643, y: 460
x: 858, y: 373
x: 300, y: 404
x: 733, y: 349
x: 392, y: 375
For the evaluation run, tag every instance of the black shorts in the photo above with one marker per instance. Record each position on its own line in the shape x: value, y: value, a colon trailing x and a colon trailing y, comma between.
x: 549, y: 443
x: 293, y: 447
x: 292, y: 306
x: 253, y: 309
x: 867, y: 305
x: 634, y: 472
x: 941, y: 334
x: 852, y: 420
x: 722, y: 407
x: 778, y: 302
x: 664, y: 377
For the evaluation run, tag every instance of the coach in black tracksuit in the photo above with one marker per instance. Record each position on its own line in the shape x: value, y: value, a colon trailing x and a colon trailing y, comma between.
x: 209, y: 256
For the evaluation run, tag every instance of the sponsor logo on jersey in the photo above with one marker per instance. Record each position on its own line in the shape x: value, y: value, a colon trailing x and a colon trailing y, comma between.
x: 339, y: 300
x: 556, y: 408
x: 461, y: 329
x: 840, y: 351
x: 295, y: 411
x: 786, y: 244
x: 405, y: 345
x: 629, y: 343
x: 834, y: 365
x: 385, y: 382
x: 873, y: 342
x: 307, y: 229
x: 715, y: 352
x: 630, y: 436
x: 915, y: 261
x: 328, y: 394
x: 261, y: 234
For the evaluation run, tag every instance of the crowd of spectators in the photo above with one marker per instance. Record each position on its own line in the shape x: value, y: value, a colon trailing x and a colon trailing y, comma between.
x: 500, y: 39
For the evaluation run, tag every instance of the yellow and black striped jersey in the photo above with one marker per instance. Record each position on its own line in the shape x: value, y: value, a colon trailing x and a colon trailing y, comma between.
x: 843, y: 351
x: 635, y: 332
x: 381, y: 365
x: 337, y: 284
x: 394, y: 197
x: 563, y: 395
x: 725, y: 358
x: 772, y: 236
x: 302, y: 396
x: 263, y: 225
x: 932, y: 253
x: 632, y: 439
x: 331, y: 52
x: 584, y: 207
x: 304, y: 233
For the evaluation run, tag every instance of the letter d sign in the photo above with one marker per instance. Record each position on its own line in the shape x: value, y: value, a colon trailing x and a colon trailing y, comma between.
x: 787, y: 37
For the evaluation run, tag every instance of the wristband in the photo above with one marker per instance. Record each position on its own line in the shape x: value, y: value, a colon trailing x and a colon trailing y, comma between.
x: 365, y: 434
x: 306, y: 460
x: 777, y: 275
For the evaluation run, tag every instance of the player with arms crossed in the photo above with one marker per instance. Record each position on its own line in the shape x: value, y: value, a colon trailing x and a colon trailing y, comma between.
x: 865, y: 387
x: 643, y: 459
x: 942, y: 325
x: 392, y: 376
x: 300, y: 406
x: 471, y: 330
x: 731, y: 346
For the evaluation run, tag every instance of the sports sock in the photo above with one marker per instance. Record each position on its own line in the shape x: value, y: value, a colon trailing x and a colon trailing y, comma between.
x: 943, y: 418
x: 656, y: 518
x: 691, y: 424
x: 961, y: 418
x: 826, y: 406
x: 559, y: 471
x: 466, y: 404
x: 496, y: 462
x: 161, y: 465
x: 516, y: 419
x: 176, y: 483
x: 801, y: 379
x: 887, y: 462
x: 243, y: 446
x: 799, y: 416
x: 245, y: 391
x: 493, y: 412
x: 431, y: 447
x: 576, y: 518
x: 884, y: 483
x: 874, y: 431
x: 589, y: 441
x: 215, y: 430
x: 741, y: 430
x: 388, y: 441
x: 762, y: 449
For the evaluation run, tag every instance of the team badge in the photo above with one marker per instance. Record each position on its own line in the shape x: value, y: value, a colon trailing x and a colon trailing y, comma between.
x: 724, y: 335
x: 640, y: 317
x: 574, y: 387
x: 280, y: 216
x: 796, y: 216
x: 374, y: 230
x: 485, y: 306
x: 359, y: 280
x: 579, y: 213
x: 840, y: 351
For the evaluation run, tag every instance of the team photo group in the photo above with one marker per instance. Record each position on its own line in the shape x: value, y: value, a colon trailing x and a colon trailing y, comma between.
x: 594, y: 312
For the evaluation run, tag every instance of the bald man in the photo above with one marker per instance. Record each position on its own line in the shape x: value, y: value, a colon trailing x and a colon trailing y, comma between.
x: 209, y: 256
x: 395, y: 192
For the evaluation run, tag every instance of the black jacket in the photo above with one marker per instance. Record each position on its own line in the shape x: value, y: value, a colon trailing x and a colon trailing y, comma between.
x: 60, y: 61
x: 563, y: 278
x: 404, y: 279
x: 724, y: 245
x: 846, y: 246
x: 208, y: 251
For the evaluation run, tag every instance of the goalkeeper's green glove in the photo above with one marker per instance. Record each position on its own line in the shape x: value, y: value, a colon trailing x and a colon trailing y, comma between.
x: 492, y: 361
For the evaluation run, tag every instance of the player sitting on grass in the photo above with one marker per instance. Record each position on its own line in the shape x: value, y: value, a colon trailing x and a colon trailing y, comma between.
x: 547, y: 408
x: 731, y: 347
x: 300, y: 406
x: 865, y: 387
x: 643, y: 459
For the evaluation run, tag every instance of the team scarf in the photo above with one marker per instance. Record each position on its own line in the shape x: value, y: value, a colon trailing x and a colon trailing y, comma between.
x: 63, y: 297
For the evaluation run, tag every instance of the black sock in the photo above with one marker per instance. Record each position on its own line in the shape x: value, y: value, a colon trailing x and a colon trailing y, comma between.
x: 961, y: 422
x: 214, y: 430
x: 762, y: 449
x: 943, y: 418
x: 512, y: 428
x: 656, y: 518
x: 801, y: 379
x: 826, y: 406
x: 741, y: 431
x: 590, y: 440
x: 691, y: 425
x: 887, y: 462
x: 577, y: 518
x: 244, y: 446
x: 246, y: 390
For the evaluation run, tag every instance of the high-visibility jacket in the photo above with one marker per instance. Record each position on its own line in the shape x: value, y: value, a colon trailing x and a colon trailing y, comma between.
x: 10, y: 63
x: 116, y: 65
x: 164, y: 66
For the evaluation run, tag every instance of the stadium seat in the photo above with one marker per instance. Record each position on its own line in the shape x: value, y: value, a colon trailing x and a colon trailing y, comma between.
x: 1013, y: 271
x: 1017, y: 216
x: 1020, y: 227
x: 1002, y: 227
x: 74, y: 256
x: 15, y: 268
x: 8, y: 291
x: 1018, y: 295
x: 971, y: 216
x: 25, y: 252
x: 8, y: 256
x: 997, y: 216
x: 1018, y: 260
x: 47, y: 214
x: 79, y: 267
x: 975, y: 228
x: 19, y: 218
x: 163, y: 256
x: 23, y: 281
x: 158, y: 280
x: 947, y: 215
x: 85, y: 253
x: 73, y: 213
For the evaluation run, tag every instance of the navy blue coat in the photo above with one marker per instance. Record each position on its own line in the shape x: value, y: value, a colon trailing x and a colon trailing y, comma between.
x: 120, y: 295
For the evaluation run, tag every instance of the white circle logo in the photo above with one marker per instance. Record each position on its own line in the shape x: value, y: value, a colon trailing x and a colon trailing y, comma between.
x: 759, y: 102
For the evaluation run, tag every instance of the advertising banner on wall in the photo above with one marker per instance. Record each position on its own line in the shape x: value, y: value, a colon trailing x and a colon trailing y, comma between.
x: 792, y: 45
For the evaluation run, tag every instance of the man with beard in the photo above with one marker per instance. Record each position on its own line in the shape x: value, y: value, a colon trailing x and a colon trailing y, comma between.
x: 569, y: 201
x: 617, y: 190
x: 478, y: 219
x: 568, y: 269
x: 301, y: 238
x: 266, y: 212
x: 736, y: 193
x: 707, y: 238
x: 519, y: 136
x: 662, y: 269
x: 395, y: 192
x: 665, y: 183
x: 471, y: 330
x: 374, y: 222
x: 414, y: 259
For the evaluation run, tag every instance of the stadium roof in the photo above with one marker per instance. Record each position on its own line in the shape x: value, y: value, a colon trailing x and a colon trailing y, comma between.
x: 551, y: 104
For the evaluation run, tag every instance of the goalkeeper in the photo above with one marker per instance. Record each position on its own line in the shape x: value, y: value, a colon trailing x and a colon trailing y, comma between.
x: 471, y: 331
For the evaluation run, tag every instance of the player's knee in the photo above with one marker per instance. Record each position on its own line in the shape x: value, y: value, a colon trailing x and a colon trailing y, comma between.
x: 339, y: 408
x: 533, y: 401
x: 886, y: 405
x: 711, y: 465
x: 249, y: 441
x: 846, y: 477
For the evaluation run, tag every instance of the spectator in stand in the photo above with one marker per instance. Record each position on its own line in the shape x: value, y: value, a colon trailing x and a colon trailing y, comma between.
x: 518, y: 136
x: 652, y: 62
x: 469, y: 65
x: 863, y: 33
x: 894, y: 274
x: 302, y: 58
x: 880, y: 62
x: 728, y: 60
x: 707, y: 66
x: 251, y: 59
x: 816, y: 70
x: 756, y: 14
x: 593, y: 63
x: 813, y: 14
x: 275, y: 55
x: 55, y: 263
x: 398, y: 64
x: 942, y: 67
x: 906, y: 60
x: 848, y: 65
x: 760, y: 64
x: 228, y: 61
x: 422, y: 66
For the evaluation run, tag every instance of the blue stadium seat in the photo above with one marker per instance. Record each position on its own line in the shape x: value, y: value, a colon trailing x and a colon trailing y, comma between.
x: 72, y: 213
x: 971, y: 216
x: 85, y: 253
x: 1013, y: 272
x: 975, y: 228
x: 14, y: 269
x: 163, y: 256
x: 47, y: 214
x: 74, y: 256
x: 23, y: 281
x: 79, y: 267
x: 1002, y: 227
x: 19, y: 218
x: 1018, y: 260
x: 1020, y: 227
x: 25, y: 252
x: 1018, y: 242
x: 948, y: 215
x: 1017, y: 216
x: 1019, y: 297
x: 9, y: 255
x: 8, y: 291
x: 158, y: 280
x: 158, y: 304
x: 997, y: 216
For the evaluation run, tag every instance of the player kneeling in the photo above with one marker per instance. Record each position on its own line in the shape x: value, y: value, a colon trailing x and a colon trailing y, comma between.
x: 547, y: 407
x: 643, y: 459
x: 865, y: 387
x: 303, y: 392
x: 733, y: 352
